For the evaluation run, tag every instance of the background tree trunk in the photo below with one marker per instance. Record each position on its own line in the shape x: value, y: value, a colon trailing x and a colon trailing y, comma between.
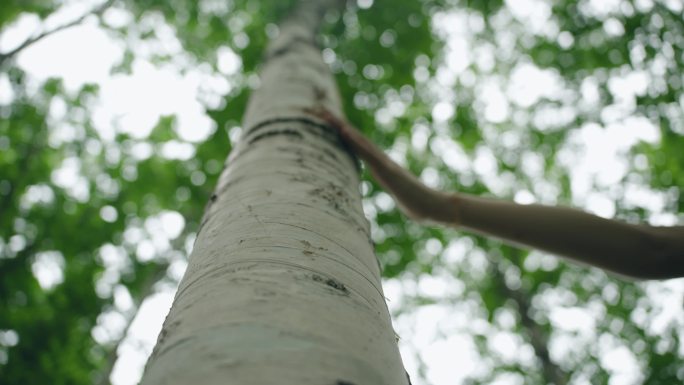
x: 283, y: 286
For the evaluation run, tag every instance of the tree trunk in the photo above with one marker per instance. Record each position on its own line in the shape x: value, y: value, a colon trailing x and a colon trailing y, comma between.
x: 283, y: 286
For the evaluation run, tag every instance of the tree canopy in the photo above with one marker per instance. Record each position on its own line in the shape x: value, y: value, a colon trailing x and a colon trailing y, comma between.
x: 103, y: 179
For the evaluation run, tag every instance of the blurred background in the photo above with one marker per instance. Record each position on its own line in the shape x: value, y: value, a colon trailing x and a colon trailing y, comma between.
x: 116, y: 118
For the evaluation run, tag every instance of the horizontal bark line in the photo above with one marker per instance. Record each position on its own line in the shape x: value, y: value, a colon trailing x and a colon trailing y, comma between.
x: 358, y: 223
x: 286, y: 132
x: 322, y: 236
x: 338, y: 203
x: 325, y: 131
x: 299, y: 162
x: 318, y: 254
x: 164, y: 348
x: 265, y: 261
x: 334, y: 195
x: 300, y: 345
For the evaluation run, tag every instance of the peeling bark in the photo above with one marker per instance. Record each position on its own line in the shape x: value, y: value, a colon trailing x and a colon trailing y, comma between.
x: 283, y: 286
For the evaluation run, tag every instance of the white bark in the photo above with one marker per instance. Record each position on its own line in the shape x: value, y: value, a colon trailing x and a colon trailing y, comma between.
x: 283, y: 286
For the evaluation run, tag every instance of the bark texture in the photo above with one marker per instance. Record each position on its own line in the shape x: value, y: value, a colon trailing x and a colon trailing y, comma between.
x: 283, y: 286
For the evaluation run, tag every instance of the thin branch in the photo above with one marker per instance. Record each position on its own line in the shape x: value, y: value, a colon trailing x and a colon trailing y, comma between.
x: 538, y: 338
x: 36, y: 38
x: 113, y: 356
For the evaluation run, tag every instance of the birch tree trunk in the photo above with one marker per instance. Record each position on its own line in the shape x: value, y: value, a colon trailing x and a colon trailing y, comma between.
x: 283, y: 286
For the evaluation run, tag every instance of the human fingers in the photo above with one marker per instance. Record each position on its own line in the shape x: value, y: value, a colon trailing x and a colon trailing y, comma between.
x: 326, y: 115
x: 348, y: 132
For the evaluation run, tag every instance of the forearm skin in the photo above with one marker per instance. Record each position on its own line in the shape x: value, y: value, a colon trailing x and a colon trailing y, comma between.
x: 636, y: 251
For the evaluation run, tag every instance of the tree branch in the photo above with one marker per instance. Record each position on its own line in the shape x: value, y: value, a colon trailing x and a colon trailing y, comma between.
x: 4, y: 57
x: 113, y: 356
x: 538, y: 338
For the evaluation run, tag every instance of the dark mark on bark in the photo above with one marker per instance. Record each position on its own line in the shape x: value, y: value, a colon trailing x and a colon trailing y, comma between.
x: 332, y: 283
x: 159, y: 349
x: 319, y: 130
x: 238, y: 152
x: 330, y: 153
x: 329, y: 135
x: 205, y: 219
x: 221, y: 271
x: 322, y: 157
x: 278, y: 52
x: 269, y: 134
x: 305, y: 243
x: 334, y: 195
x: 309, y: 122
x: 322, y: 130
x: 305, y: 178
x: 161, y: 352
x: 205, y: 216
x: 319, y: 93
x: 288, y: 150
x: 343, y: 382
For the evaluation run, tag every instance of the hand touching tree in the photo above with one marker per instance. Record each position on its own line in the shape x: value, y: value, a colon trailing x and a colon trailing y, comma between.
x: 417, y: 201
x: 634, y: 250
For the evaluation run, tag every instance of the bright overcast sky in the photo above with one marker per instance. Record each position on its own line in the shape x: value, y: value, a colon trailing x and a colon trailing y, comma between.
x: 133, y: 102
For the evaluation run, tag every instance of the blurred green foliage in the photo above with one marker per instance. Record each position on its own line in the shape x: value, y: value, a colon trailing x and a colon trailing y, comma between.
x: 391, y: 52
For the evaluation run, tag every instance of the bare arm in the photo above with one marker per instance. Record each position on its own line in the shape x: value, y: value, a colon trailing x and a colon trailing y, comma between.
x: 638, y: 251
